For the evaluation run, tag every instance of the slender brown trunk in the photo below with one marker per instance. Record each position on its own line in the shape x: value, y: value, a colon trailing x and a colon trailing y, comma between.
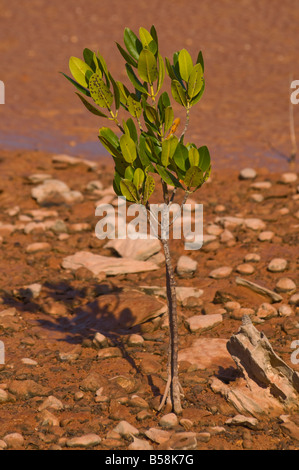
x: 173, y: 332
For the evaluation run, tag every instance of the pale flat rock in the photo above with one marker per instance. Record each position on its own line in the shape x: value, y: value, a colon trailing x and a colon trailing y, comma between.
x: 266, y: 311
x: 207, y: 352
x: 136, y: 249
x: 182, y: 293
x: 159, y: 436
x: 14, y: 440
x: 200, y: 323
x: 36, y: 247
x: 126, y: 429
x: 140, y: 444
x: 39, y: 178
x: 52, y: 403
x: 109, y: 265
x: 55, y: 192
x: 221, y: 273
x: 241, y: 420
x: 88, y: 440
x: 245, y: 269
x: 277, y: 265
x: 255, y: 224
x: 247, y: 174
x: 169, y: 421
x: 266, y: 236
x: 72, y: 161
x: 186, y: 266
x: 287, y: 178
x: 261, y: 185
x: 230, y: 222
x: 252, y: 258
x: 285, y: 285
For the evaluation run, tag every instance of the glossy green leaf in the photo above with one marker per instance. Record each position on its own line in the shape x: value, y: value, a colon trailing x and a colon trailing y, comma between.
x: 168, y: 177
x: 185, y: 64
x: 138, y: 178
x: 116, y: 92
x: 178, y: 93
x: 193, y: 177
x: 144, y: 154
x: 129, y: 173
x: 132, y: 43
x: 80, y: 71
x: 149, y: 187
x: 163, y: 103
x: 161, y: 73
x: 200, y: 60
x: 126, y: 56
x: 110, y: 136
x: 99, y: 91
x: 198, y: 96
x: 205, y: 159
x: 90, y: 107
x: 76, y: 85
x: 147, y: 40
x: 151, y: 114
x: 128, y: 148
x: 181, y: 157
x: 128, y: 190
x: 195, y: 82
x: 134, y: 107
x: 124, y: 93
x: 168, y: 149
x: 109, y: 147
x: 147, y: 66
x: 154, y: 35
x: 116, y: 184
x: 134, y: 80
x: 170, y: 70
x: 132, y: 130
x: 168, y: 118
x: 193, y: 156
x: 88, y: 58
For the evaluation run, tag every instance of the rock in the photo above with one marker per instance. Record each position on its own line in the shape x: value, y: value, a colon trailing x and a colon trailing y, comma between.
x: 277, y: 265
x: 285, y: 311
x: 14, y: 441
x: 231, y: 306
x: 108, y: 353
x: 266, y: 311
x: 92, y: 382
x: 252, y: 258
x: 186, y: 266
x: 8, y: 312
x: 3, y: 445
x: 241, y: 420
x: 55, y: 308
x: 239, y: 313
x: 135, y: 249
x: 207, y: 353
x: 285, y: 285
x: 39, y: 178
x: 51, y: 403
x: 4, y: 397
x: 245, y: 269
x: 137, y: 402
x: 294, y: 300
x: 229, y: 222
x: 73, y: 161
x: 181, y: 441
x: 259, y: 289
x: 24, y: 389
x: 157, y: 435
x: 29, y: 362
x: 48, y: 419
x: 261, y: 185
x: 122, y: 312
x: 221, y: 273
x: 289, y: 427
x: 214, y: 230
x: 227, y: 236
x: 68, y: 356
x: 203, y: 436
x: 30, y: 292
x: 55, y: 192
x: 202, y: 323
x: 182, y: 293
x: 126, y: 429
x: 94, y: 185
x: 287, y: 178
x: 255, y: 224
x: 36, y: 247
x: 109, y: 265
x: 247, y: 174
x: 101, y: 341
x: 168, y: 421
x: 256, y: 197
x: 266, y: 236
x: 135, y: 340
x: 140, y: 444
x: 88, y: 440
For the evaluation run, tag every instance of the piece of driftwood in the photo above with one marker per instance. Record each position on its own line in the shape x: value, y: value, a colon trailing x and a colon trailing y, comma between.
x: 259, y: 289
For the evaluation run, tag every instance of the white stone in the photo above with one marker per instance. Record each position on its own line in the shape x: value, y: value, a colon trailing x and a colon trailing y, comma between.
x: 51, y: 402
x: 252, y: 258
x: 266, y: 236
x: 277, y: 265
x: 53, y: 188
x: 255, y: 224
x: 285, y: 285
x: 287, y: 178
x: 36, y: 247
x: 72, y: 161
x: 203, y: 322
x: 88, y: 440
x: 158, y: 436
x: 257, y: 197
x: 126, y: 429
x: 247, y: 174
x: 186, y: 266
x: 14, y: 440
x: 39, y: 178
x: 168, y: 421
x: 29, y: 362
x: 294, y: 300
x: 241, y: 420
x: 221, y: 273
x: 266, y: 311
x: 261, y: 185
x: 136, y: 249
x: 245, y: 269
x: 285, y: 311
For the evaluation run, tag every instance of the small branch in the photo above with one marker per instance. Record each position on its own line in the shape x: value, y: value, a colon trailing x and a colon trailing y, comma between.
x: 292, y: 133
x: 187, y: 122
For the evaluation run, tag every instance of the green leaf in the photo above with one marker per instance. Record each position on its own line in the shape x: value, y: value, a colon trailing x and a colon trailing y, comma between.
x: 185, y: 64
x: 195, y: 81
x: 99, y: 91
x: 129, y: 173
x: 193, y: 156
x: 181, y: 157
x: 115, y: 91
x: 80, y: 71
x: 200, y: 60
x: 134, y: 107
x: 103, y: 66
x: 108, y: 146
x: 116, y: 183
x: 164, y: 102
x: 88, y: 57
x: 144, y: 154
x: 110, y: 136
x: 197, y: 97
x: 168, y: 119
x: 126, y: 56
x: 134, y: 80
x: 161, y: 75
x: 138, y: 178
x: 168, y: 177
x: 147, y: 40
x: 90, y: 107
x: 193, y: 177
x: 132, y: 43
x: 79, y: 87
x: 149, y: 188
x: 154, y: 35
x: 168, y: 148
x: 128, y: 148
x: 132, y: 129
x: 151, y: 114
x: 178, y: 93
x: 147, y: 66
x: 205, y: 159
x: 124, y: 93
x: 170, y: 70
x: 128, y: 190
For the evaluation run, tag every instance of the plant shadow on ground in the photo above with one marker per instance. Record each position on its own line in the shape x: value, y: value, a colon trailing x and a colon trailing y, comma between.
x: 86, y: 320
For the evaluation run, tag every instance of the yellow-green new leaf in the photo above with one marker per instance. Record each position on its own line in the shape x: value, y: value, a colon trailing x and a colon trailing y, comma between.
x: 178, y: 93
x: 128, y: 148
x: 195, y: 82
x: 147, y: 66
x: 128, y: 190
x: 99, y: 91
x: 185, y: 64
x: 168, y: 148
x: 80, y: 71
x: 147, y: 40
x: 134, y: 107
x: 193, y: 156
x: 193, y: 177
x: 149, y: 187
x: 138, y: 178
